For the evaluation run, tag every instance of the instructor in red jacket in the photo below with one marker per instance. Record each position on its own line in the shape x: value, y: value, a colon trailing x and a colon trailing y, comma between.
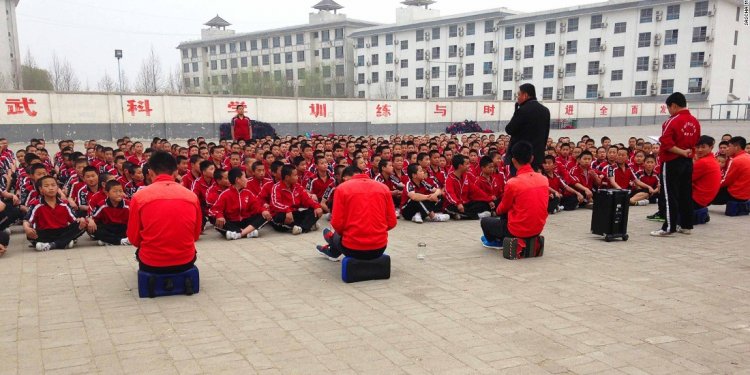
x: 241, y: 127
x: 363, y: 213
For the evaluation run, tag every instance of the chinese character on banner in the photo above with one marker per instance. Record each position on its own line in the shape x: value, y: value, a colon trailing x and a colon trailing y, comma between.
x: 489, y: 109
x: 20, y: 106
x: 139, y: 106
x: 441, y: 110
x: 603, y: 110
x: 633, y: 109
x: 318, y: 110
x: 663, y: 109
x: 232, y: 106
x: 569, y: 110
x: 383, y: 110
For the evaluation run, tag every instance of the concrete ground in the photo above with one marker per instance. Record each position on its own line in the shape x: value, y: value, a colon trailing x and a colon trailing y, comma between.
x: 274, y: 306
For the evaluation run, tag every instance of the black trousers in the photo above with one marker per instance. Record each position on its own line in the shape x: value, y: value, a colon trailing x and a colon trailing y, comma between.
x: 4, y: 239
x: 9, y: 215
x: 471, y: 210
x: 336, y: 248
x: 165, y: 270
x: 304, y: 219
x: 59, y: 237
x: 237, y: 226
x: 111, y: 233
x: 495, y: 228
x: 677, y: 194
x: 569, y: 203
x: 723, y: 197
x: 423, y: 207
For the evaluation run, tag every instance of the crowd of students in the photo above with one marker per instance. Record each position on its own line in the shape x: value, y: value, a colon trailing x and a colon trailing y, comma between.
x: 289, y: 183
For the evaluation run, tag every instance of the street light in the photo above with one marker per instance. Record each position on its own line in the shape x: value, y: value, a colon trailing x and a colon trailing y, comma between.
x: 118, y: 56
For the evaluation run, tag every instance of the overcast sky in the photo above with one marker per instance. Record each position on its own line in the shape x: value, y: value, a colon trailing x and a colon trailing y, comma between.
x: 86, y: 32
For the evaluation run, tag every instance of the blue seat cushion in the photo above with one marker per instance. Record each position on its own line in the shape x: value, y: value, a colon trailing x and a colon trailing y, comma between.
x: 737, y: 208
x: 152, y: 285
x: 354, y: 270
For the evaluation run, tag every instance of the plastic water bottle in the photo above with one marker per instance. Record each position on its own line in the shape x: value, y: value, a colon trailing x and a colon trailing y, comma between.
x: 421, y: 250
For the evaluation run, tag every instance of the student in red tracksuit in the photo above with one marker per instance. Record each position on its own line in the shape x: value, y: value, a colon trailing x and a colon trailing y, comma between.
x: 221, y: 183
x: 736, y: 183
x: 420, y: 200
x: 109, y: 223
x: 238, y: 212
x: 680, y: 134
x: 321, y: 181
x: 488, y: 182
x: 292, y: 208
x: 390, y: 180
x: 51, y: 223
x: 363, y: 215
x: 194, y: 173
x: 457, y: 191
x: 584, y: 178
x: 258, y: 178
x: 561, y: 195
x: 164, y: 221
x: 523, y: 210
x: 706, y: 173
x: 650, y: 178
x: 201, y: 185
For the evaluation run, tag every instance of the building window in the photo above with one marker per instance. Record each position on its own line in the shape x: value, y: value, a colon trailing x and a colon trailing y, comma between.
x: 404, y: 63
x: 419, y: 93
x: 507, y: 94
x: 436, y: 53
x: 326, y: 53
x: 196, y: 81
x: 470, y: 49
x: 435, y: 72
x: 452, y: 51
x: 529, y: 30
x: 195, y: 65
x: 508, y: 53
x: 360, y: 42
x: 276, y: 42
x: 469, y: 71
x: 361, y: 78
x: 327, y: 72
x: 547, y: 93
x: 300, y: 39
x: 388, y: 39
x: 699, y: 34
x: 375, y: 77
x: 528, y: 73
x: 214, y: 65
x: 266, y: 60
x: 695, y: 85
x: 569, y: 92
x: 420, y: 35
x: 290, y: 75
x: 528, y: 52
x: 596, y: 22
x: 488, y: 46
x: 212, y: 50
x: 375, y: 58
x: 549, y: 49
x: 339, y: 70
x: 194, y: 52
x: 420, y: 55
x: 489, y: 26
x: 469, y: 89
x: 264, y: 43
x: 507, y: 75
x: 644, y: 40
x: 550, y: 27
x: 593, y: 68
x: 361, y: 60
x: 731, y: 86
x: 618, y: 51
x: 641, y: 64
x: 572, y: 24
x: 223, y: 64
x: 288, y: 58
x: 615, y: 94
x: 420, y: 74
x: 669, y: 61
x: 404, y: 44
x: 325, y: 35
x: 389, y: 58
x: 374, y: 41
x: 592, y: 91
x: 287, y: 40
x: 389, y: 76
x: 435, y: 33
x: 404, y: 82
x: 339, y: 52
x: 435, y: 91
x: 570, y: 70
x: 549, y: 71
x: 452, y: 31
x: 734, y: 60
x: 571, y: 47
x: 673, y: 12
x: 621, y: 27
x: 696, y: 59
x: 233, y: 63
x: 647, y: 15
x: 616, y: 75
x: 736, y: 34
x: 701, y: 9
x: 254, y: 60
x: 452, y: 71
x: 222, y: 49
x: 487, y: 67
x: 641, y: 88
x: 595, y: 44
x: 451, y: 90
x: 186, y: 67
x: 277, y: 58
x: 301, y: 74
x: 487, y: 88
x: 667, y: 86
x: 470, y: 28
x: 339, y: 34
x: 510, y: 32
x: 670, y: 37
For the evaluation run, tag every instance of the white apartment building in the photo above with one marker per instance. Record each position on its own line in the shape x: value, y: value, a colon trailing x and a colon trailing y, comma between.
x: 617, y: 50
x: 10, y: 55
x: 214, y: 63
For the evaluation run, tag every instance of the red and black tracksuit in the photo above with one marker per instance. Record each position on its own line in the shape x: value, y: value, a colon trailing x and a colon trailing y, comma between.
x: 457, y: 191
x: 410, y: 207
x: 111, y: 221
x: 294, y: 200
x: 56, y: 225
x: 240, y: 208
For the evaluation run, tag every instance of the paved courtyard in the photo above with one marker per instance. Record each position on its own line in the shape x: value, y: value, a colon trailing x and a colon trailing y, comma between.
x: 273, y: 306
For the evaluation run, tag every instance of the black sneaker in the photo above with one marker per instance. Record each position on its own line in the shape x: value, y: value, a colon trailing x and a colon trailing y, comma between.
x: 656, y: 217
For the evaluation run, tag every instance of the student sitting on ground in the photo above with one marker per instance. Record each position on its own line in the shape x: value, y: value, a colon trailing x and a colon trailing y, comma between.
x: 523, y: 211
x: 561, y: 195
x: 488, y: 182
x: 621, y: 176
x: 238, y: 212
x: 51, y: 223
x: 706, y: 173
x: 292, y: 208
x: 649, y: 177
x: 363, y: 216
x: 109, y: 223
x: 91, y: 178
x: 457, y: 191
x: 387, y: 177
x: 736, y: 183
x: 420, y: 200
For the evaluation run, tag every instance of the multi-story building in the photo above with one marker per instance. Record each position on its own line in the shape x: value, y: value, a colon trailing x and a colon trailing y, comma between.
x: 318, y: 51
x: 10, y: 56
x: 615, y: 50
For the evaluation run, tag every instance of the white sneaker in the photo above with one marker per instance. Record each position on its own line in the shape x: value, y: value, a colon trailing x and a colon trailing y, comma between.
x: 7, y: 231
x: 101, y: 243
x: 642, y: 202
x: 71, y: 244
x: 398, y: 213
x: 42, y: 246
x: 439, y: 218
x: 560, y: 208
x: 233, y: 235
x: 253, y: 234
x: 125, y: 242
x: 484, y: 214
x: 296, y: 230
x: 683, y: 230
x: 417, y: 218
x: 661, y: 233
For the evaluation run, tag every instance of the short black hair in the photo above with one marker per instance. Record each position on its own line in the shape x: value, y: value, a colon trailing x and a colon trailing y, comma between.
x: 204, y: 165
x: 162, y: 163
x: 219, y: 173
x: 276, y: 165
x: 34, y: 167
x: 706, y: 140
x: 649, y: 157
x: 287, y: 170
x: 110, y: 184
x: 234, y: 174
x: 584, y: 153
x: 549, y: 157
x: 88, y: 169
x: 351, y: 171
x: 194, y: 159
x: 528, y: 89
x: 41, y: 180
x: 412, y: 169
x: 738, y: 141
x: 485, y: 161
x: 522, y: 152
x: 458, y: 160
x: 382, y: 164
x: 677, y: 98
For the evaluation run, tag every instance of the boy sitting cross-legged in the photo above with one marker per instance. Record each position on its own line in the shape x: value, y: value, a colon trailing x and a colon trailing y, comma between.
x: 51, y: 223
x: 109, y: 223
x: 238, y: 212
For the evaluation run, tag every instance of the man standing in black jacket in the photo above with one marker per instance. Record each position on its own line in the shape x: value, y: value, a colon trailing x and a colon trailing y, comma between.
x: 529, y: 123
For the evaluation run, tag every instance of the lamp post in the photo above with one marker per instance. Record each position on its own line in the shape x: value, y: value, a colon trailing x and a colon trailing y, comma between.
x: 118, y: 56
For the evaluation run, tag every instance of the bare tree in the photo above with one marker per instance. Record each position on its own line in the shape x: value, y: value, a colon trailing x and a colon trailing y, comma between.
x: 387, y: 90
x: 63, y: 76
x: 5, y: 82
x: 29, y: 59
x: 107, y: 84
x: 151, y: 76
x: 175, y: 85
